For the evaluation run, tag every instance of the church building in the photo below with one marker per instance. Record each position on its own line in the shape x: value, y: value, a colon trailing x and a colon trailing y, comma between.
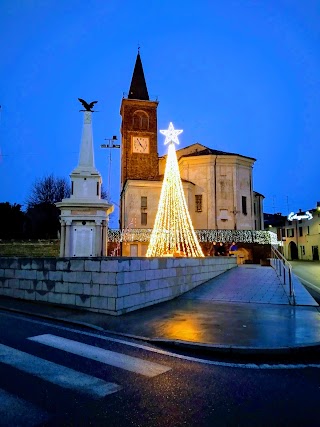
x: 218, y: 185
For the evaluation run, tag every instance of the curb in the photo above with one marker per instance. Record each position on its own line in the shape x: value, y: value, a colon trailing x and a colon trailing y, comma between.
x: 309, y: 285
x: 234, y: 350
x: 231, y: 351
x: 58, y: 319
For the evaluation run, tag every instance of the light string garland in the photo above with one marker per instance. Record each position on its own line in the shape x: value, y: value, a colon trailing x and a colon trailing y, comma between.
x: 173, y: 233
x: 143, y: 235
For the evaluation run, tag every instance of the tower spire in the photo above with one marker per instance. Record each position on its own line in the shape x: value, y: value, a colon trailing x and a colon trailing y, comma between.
x: 138, y: 88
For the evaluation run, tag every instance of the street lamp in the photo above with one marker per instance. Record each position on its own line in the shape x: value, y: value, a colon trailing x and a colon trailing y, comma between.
x: 110, y: 144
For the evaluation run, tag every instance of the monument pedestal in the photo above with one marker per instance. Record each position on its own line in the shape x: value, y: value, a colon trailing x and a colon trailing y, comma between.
x: 84, y: 228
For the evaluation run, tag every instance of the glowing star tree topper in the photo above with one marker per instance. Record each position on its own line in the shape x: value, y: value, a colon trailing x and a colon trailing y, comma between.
x: 171, y: 134
x: 173, y: 233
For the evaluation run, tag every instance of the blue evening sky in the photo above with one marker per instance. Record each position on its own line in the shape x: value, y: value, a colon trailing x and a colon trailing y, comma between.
x: 240, y: 76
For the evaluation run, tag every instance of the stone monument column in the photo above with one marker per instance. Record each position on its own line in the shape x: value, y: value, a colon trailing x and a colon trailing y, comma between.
x: 104, y: 237
x: 98, y: 238
x: 67, y: 248
x: 62, y: 237
x: 84, y: 212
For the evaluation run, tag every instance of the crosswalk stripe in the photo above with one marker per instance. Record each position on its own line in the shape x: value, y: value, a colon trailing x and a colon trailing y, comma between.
x: 15, y: 411
x: 119, y: 360
x: 56, y: 374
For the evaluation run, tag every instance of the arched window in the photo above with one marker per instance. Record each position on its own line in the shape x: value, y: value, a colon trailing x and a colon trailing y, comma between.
x: 140, y: 120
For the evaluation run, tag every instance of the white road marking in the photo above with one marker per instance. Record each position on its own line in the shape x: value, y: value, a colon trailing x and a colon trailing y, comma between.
x: 119, y: 360
x: 56, y: 374
x: 15, y: 411
x: 164, y: 352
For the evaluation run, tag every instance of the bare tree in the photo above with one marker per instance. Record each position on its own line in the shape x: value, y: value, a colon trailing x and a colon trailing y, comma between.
x: 42, y: 214
x: 48, y: 190
x: 104, y: 193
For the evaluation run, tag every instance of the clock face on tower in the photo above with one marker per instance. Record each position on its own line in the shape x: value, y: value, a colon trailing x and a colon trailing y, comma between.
x: 140, y: 144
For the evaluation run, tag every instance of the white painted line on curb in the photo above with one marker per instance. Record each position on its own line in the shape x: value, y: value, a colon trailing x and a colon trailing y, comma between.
x: 119, y: 360
x: 56, y: 374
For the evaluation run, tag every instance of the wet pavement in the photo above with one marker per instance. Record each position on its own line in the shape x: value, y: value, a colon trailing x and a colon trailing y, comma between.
x: 246, y: 309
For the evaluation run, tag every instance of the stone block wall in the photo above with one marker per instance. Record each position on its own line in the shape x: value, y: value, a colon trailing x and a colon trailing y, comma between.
x: 106, y: 285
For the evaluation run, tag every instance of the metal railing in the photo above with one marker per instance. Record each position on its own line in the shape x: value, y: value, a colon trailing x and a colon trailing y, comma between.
x: 283, y: 269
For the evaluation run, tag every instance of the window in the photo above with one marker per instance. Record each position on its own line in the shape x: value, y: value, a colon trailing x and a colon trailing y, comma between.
x: 144, y: 249
x: 71, y: 187
x: 198, y: 202
x: 224, y: 215
x: 140, y: 120
x: 279, y: 236
x: 300, y: 231
x: 303, y: 251
x: 143, y: 218
x: 308, y: 230
x: 283, y: 232
x: 144, y: 202
x: 144, y: 123
x: 244, y: 205
x: 290, y: 232
x: 134, y: 250
x: 97, y: 188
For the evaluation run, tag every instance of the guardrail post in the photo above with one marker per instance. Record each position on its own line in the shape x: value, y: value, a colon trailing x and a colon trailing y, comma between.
x: 279, y: 268
x: 279, y: 263
x: 290, y: 283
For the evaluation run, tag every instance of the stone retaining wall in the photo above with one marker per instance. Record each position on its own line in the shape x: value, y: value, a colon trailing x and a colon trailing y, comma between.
x: 106, y: 285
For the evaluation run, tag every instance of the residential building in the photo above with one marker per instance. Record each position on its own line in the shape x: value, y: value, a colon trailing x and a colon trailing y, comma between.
x: 299, y: 233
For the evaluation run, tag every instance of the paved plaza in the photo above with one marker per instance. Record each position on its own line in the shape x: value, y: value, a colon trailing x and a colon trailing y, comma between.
x: 250, y: 284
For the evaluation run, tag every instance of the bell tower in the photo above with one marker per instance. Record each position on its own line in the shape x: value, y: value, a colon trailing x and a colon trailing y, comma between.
x: 139, y: 149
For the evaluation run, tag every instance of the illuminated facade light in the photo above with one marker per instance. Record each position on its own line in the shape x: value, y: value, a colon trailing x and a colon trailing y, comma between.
x: 293, y: 216
x: 173, y: 233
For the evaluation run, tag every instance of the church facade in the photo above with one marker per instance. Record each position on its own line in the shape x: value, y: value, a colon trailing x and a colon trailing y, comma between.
x: 218, y: 185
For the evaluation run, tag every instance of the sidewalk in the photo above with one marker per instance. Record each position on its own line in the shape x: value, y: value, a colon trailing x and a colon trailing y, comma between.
x: 243, y: 311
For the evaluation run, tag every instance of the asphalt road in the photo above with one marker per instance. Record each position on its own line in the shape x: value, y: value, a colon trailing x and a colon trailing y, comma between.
x: 309, y: 274
x: 55, y: 375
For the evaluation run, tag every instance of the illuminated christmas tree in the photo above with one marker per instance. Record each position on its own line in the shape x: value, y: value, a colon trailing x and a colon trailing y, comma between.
x: 173, y: 233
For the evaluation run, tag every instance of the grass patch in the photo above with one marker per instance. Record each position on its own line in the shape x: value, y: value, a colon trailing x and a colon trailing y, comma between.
x: 44, y: 248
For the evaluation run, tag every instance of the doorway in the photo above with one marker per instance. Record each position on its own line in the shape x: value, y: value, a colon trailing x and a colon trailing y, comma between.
x: 134, y: 250
x: 315, y: 253
x: 293, y: 251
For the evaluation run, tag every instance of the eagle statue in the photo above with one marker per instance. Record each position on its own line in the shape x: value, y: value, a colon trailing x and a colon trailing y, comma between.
x: 88, y: 107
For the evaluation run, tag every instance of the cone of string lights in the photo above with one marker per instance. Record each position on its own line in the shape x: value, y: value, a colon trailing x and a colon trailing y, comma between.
x: 173, y: 233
